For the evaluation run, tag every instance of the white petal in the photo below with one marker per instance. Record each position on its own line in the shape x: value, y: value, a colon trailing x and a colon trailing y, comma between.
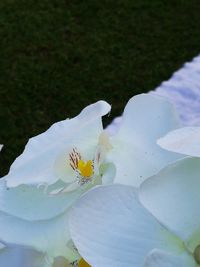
x: 173, y: 197
x: 159, y: 258
x: 184, y: 141
x: 32, y: 203
x: 50, y: 236
x: 136, y: 154
x: 36, y: 163
x: 16, y: 256
x: 110, y: 228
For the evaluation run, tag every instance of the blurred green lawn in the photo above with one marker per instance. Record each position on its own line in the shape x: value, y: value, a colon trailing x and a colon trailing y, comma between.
x: 57, y: 56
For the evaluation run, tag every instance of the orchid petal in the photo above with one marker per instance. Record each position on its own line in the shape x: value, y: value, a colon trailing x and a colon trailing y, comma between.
x: 50, y: 236
x: 32, y: 203
x: 35, y: 165
x: 108, y: 173
x: 136, y: 155
x: 184, y: 141
x: 172, y: 196
x: 110, y: 228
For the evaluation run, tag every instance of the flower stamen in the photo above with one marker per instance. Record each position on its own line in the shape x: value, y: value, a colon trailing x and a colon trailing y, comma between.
x: 74, y: 157
x: 85, y: 168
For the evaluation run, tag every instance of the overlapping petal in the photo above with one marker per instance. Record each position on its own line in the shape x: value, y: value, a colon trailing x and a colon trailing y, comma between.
x: 50, y: 236
x: 112, y: 229
x: 172, y: 196
x: 136, y: 154
x: 184, y: 141
x: 33, y: 203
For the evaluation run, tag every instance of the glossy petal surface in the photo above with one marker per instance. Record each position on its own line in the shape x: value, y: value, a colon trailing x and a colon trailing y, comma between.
x: 110, y: 228
x: 50, y: 236
x: 136, y: 154
x: 32, y: 203
x: 184, y: 141
x: 172, y: 196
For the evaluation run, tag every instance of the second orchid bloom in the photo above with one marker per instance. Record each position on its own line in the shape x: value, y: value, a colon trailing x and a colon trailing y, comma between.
x: 70, y: 158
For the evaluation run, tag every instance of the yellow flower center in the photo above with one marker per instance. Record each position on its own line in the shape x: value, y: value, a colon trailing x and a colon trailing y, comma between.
x: 85, y: 168
x: 83, y: 263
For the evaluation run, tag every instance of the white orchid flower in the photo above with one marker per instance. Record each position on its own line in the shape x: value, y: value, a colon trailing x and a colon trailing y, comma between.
x: 65, y: 152
x: 157, y: 225
x: 78, y: 146
x: 72, y: 156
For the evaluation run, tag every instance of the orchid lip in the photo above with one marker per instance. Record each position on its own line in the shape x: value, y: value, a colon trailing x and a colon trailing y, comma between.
x: 84, y: 169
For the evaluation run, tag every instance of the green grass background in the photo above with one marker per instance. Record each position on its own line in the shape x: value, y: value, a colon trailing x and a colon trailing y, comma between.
x: 57, y: 56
